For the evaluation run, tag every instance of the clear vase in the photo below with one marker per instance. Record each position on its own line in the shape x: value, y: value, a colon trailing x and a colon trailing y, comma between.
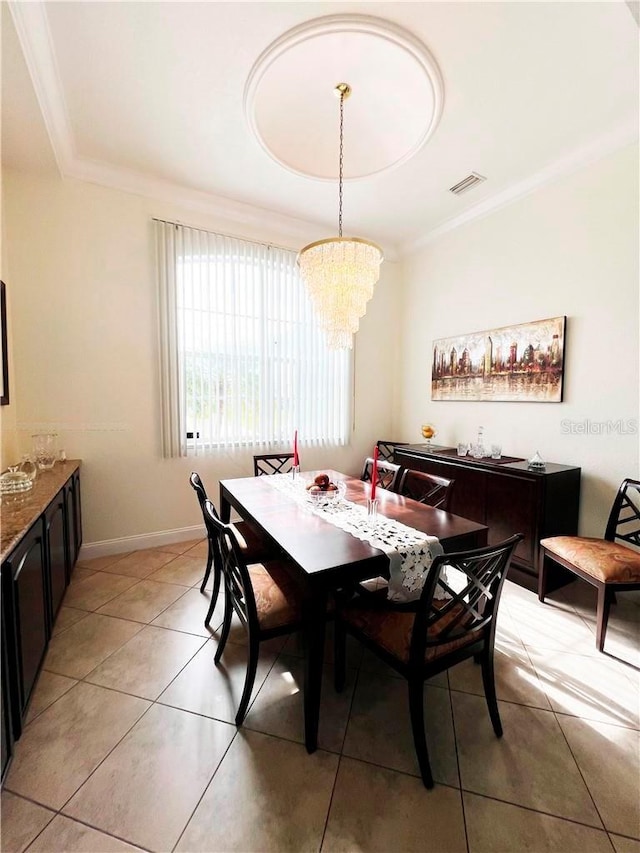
x: 44, y: 449
x: 28, y: 467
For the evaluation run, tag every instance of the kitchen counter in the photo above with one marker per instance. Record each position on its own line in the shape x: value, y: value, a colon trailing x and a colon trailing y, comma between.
x: 19, y: 512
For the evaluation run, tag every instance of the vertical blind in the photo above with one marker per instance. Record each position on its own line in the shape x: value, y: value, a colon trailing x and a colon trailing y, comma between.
x: 243, y: 362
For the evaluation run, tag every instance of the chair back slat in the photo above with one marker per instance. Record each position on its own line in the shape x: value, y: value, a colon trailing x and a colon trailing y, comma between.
x: 201, y: 493
x: 272, y: 463
x: 234, y: 569
x: 624, y: 519
x: 388, y: 473
x: 426, y: 488
x: 198, y: 488
x: 470, y: 604
x: 386, y: 448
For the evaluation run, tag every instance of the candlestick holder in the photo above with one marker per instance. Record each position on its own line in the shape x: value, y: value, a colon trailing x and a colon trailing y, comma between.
x: 372, y: 509
x: 295, y: 472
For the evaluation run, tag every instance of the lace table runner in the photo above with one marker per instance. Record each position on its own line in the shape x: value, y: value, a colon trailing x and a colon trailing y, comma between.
x: 410, y: 551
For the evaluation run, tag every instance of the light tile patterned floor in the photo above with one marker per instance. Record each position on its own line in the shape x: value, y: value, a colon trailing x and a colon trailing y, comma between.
x: 130, y: 742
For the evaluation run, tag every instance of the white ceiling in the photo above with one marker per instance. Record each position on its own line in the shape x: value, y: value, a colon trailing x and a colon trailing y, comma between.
x: 149, y: 96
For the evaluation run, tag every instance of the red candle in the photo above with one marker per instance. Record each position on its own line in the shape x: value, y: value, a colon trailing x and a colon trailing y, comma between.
x: 374, y: 472
x: 296, y: 461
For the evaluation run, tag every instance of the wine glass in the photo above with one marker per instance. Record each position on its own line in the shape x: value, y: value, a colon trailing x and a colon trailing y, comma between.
x: 428, y: 432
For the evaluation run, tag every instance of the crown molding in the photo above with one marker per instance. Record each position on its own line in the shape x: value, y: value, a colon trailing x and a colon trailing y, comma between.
x: 32, y: 27
x: 287, y: 229
x: 152, y: 187
x: 623, y: 135
x: 35, y: 39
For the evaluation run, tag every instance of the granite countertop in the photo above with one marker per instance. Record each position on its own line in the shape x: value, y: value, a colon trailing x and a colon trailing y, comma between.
x: 18, y: 512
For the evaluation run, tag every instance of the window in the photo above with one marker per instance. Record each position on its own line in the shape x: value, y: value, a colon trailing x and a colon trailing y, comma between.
x: 243, y: 363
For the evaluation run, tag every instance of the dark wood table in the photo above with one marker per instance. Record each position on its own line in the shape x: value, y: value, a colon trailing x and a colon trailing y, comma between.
x: 328, y: 557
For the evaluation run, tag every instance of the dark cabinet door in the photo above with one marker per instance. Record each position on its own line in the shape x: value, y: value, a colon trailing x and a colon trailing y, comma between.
x: 27, y: 620
x: 77, y: 516
x: 59, y: 565
x: 508, y: 499
x: 512, y: 507
x: 5, y: 747
x: 5, y: 704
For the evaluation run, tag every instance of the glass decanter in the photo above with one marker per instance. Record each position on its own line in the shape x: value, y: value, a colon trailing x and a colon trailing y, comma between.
x: 477, y: 451
x: 536, y: 463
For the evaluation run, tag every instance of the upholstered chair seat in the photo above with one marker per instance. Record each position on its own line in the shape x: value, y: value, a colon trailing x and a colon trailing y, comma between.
x: 611, y: 564
x: 451, y: 621
x: 392, y: 630
x: 264, y: 597
x: 277, y: 601
x: 608, y: 562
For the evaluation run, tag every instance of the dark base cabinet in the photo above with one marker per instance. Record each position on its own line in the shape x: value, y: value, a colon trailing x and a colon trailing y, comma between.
x: 508, y: 498
x: 36, y: 569
x: 58, y: 557
x: 5, y: 709
x: 24, y: 580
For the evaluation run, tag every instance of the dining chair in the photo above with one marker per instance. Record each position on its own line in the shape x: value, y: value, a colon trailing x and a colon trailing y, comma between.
x: 272, y: 463
x: 262, y: 595
x: 426, y: 488
x: 388, y: 473
x: 252, y: 545
x: 454, y: 619
x: 604, y: 563
x: 386, y: 448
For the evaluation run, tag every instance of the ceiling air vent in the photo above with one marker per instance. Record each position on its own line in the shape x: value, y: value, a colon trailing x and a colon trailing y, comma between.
x: 466, y: 183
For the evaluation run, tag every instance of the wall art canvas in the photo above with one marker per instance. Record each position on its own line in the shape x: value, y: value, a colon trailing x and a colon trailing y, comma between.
x: 523, y: 363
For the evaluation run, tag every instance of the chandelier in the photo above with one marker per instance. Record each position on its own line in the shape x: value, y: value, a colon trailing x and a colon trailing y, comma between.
x: 340, y: 272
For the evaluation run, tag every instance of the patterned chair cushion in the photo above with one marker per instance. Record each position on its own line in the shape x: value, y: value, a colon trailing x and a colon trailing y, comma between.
x: 391, y: 629
x: 605, y: 561
x: 277, y: 598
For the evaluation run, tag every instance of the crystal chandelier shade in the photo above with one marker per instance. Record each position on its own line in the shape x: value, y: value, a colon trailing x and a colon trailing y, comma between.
x: 340, y: 272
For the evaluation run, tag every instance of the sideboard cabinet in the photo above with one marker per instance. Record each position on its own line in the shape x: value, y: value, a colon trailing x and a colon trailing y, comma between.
x: 507, y: 497
x: 41, y: 532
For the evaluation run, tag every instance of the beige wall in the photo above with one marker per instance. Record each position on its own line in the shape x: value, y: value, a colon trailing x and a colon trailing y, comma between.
x: 569, y: 248
x: 85, y: 352
x: 8, y: 435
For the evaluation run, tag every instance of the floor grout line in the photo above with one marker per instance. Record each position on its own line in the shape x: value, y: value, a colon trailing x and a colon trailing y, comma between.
x: 206, y: 788
x: 558, y: 715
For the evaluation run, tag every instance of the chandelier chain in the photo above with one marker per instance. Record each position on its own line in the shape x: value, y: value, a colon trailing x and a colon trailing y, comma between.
x: 340, y: 272
x: 341, y: 164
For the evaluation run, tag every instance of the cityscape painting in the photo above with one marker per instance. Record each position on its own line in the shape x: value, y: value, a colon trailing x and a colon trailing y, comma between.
x: 522, y: 363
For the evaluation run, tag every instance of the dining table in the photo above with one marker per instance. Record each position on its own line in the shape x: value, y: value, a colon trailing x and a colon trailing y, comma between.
x: 325, y: 557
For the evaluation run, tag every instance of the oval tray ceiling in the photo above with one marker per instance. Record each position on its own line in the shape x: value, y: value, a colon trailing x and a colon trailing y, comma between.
x: 395, y: 105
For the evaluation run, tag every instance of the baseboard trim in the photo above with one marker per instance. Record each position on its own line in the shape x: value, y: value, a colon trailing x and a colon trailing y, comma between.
x: 108, y: 547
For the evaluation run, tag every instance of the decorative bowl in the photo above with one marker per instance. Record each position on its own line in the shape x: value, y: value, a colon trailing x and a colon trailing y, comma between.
x: 14, y: 481
x: 321, y: 498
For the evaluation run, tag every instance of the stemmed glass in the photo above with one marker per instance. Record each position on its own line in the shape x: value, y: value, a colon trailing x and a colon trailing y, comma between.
x: 428, y: 432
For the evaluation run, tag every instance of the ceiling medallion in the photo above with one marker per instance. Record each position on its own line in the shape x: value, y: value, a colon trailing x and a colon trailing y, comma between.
x: 290, y: 107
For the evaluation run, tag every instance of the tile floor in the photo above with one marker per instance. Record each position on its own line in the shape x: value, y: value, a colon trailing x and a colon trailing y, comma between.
x: 130, y: 742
